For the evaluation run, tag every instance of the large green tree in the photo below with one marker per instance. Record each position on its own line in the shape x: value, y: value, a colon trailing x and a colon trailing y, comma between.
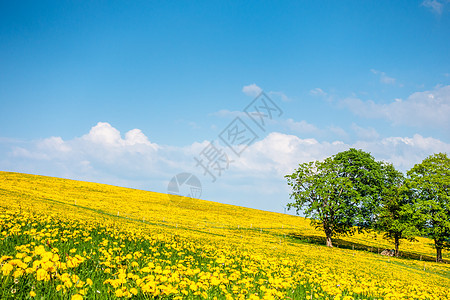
x: 333, y: 192
x: 366, y: 176
x: 395, y: 214
x: 429, y: 185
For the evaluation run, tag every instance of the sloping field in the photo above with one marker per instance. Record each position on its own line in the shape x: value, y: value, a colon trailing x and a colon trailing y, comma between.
x: 70, y: 239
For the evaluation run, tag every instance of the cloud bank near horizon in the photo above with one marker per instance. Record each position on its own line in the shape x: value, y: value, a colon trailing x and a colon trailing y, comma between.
x: 103, y: 155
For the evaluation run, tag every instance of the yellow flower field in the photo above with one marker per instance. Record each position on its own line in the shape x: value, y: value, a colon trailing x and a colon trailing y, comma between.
x: 78, y: 240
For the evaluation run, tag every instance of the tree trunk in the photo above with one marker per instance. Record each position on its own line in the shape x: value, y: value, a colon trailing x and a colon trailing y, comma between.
x: 328, y: 234
x: 438, y: 254
x: 439, y: 245
x: 397, y: 243
x: 329, y: 242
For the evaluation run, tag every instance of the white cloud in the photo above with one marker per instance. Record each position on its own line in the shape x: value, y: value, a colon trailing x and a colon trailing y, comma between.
x: 317, y: 92
x: 43, y: 149
x: 421, y: 109
x: 134, y: 137
x: 281, y: 95
x: 104, y: 156
x: 404, y: 152
x: 365, y: 133
x: 252, y: 90
x: 102, y: 152
x: 280, y: 153
x: 320, y: 93
x: 300, y: 127
x: 104, y: 133
x: 383, y: 77
x: 54, y: 144
x: 20, y: 152
x: 338, y: 132
x: 435, y: 6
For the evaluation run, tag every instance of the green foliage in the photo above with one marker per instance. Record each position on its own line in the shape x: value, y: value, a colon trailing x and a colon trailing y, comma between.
x: 429, y: 185
x: 366, y: 177
x: 395, y: 215
x: 338, y: 193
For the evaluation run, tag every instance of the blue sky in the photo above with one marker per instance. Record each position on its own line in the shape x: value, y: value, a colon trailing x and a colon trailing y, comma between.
x: 75, y: 78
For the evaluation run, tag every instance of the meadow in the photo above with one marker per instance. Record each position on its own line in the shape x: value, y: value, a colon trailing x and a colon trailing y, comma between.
x: 69, y: 239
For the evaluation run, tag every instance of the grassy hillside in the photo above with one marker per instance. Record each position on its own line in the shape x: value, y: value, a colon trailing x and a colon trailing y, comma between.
x: 71, y: 239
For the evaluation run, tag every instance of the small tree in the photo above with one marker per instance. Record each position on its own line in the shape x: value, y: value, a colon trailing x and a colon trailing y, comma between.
x: 318, y: 187
x: 332, y: 192
x: 395, y: 215
x: 429, y: 184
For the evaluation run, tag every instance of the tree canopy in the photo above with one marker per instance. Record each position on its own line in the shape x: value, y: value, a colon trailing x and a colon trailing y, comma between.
x: 366, y: 176
x: 395, y: 215
x: 338, y: 193
x: 429, y: 185
x: 351, y: 191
